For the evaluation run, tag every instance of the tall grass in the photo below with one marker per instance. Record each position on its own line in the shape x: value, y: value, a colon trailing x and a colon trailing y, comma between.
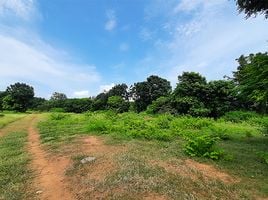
x: 6, y: 118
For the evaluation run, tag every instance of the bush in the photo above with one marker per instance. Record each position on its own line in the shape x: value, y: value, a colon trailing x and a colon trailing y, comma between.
x: 161, y: 105
x: 57, y: 110
x: 2, y: 115
x: 58, y: 116
x: 117, y: 104
x: 239, y: 116
x: 203, y: 146
x: 263, y: 156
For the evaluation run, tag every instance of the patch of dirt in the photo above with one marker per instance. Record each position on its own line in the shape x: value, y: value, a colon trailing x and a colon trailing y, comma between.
x: 191, y: 169
x: 154, y: 196
x: 50, y: 170
x: 87, y: 177
x: 176, y: 168
x: 211, y: 172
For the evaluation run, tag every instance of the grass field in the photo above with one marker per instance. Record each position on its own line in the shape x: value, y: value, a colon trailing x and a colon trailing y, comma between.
x: 137, y: 156
x: 159, y: 156
x: 8, y: 118
x: 14, y: 163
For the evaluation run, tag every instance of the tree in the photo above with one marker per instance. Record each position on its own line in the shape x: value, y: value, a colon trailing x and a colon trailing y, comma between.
x: 2, y: 95
x: 221, y: 97
x: 100, y: 102
x: 251, y: 78
x: 161, y: 105
x: 19, y: 97
x: 253, y: 7
x: 191, y: 84
x: 58, y: 96
x: 190, y: 94
x: 37, y: 102
x: 147, y: 91
x: 118, y: 104
x: 119, y: 90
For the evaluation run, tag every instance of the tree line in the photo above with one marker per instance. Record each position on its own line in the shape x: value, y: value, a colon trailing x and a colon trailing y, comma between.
x: 193, y: 94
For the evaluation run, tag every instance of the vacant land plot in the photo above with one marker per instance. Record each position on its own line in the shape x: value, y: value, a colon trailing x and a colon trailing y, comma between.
x: 133, y: 156
x: 146, y: 157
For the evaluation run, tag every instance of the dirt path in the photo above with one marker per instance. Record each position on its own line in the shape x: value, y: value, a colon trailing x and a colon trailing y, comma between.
x: 50, y: 170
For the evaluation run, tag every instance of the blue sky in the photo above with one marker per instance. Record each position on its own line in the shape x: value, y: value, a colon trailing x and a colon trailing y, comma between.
x: 82, y: 47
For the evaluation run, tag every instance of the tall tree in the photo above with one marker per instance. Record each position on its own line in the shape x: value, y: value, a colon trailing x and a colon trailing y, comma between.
x: 58, y: 96
x: 253, y: 7
x: 147, y: 91
x: 191, y: 84
x: 190, y: 95
x: 252, y: 79
x: 2, y: 95
x: 221, y: 97
x: 119, y: 90
x: 19, y: 97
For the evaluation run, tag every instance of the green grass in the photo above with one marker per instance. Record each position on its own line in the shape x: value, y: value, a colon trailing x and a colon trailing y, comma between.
x: 163, y: 137
x: 6, y: 118
x: 14, y: 174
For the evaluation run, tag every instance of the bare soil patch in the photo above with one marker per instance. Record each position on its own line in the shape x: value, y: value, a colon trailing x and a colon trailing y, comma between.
x: 192, y: 169
x: 154, y: 196
x: 86, y: 178
x: 211, y: 172
x: 50, y: 180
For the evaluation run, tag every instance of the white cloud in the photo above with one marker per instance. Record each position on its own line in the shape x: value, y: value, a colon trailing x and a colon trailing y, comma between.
x: 146, y: 34
x: 124, y: 47
x: 111, y: 22
x: 207, y: 40
x: 106, y: 88
x: 43, y: 65
x: 81, y: 94
x: 190, y: 5
x: 23, y: 9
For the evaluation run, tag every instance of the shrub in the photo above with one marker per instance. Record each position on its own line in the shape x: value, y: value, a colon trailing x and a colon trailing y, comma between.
x: 263, y: 156
x: 117, y: 104
x: 57, y: 110
x: 58, y: 116
x: 2, y: 115
x: 239, y: 116
x: 161, y: 105
x: 203, y: 146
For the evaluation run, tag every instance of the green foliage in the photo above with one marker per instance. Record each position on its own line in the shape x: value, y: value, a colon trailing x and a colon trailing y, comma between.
x: 119, y: 90
x: 252, y: 79
x: 221, y: 97
x: 58, y: 116
x: 14, y: 172
x: 2, y: 95
x: 239, y: 116
x: 18, y: 97
x: 191, y: 84
x: 203, y: 146
x: 253, y: 7
x: 263, y: 156
x: 66, y: 105
x: 194, y: 96
x: 37, y: 103
x: 161, y: 105
x: 58, y: 96
x: 118, y: 104
x: 147, y: 91
x: 9, y: 117
x: 57, y: 110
